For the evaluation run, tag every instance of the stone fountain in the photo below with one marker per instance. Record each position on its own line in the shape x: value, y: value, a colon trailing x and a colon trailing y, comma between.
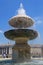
x: 21, y: 49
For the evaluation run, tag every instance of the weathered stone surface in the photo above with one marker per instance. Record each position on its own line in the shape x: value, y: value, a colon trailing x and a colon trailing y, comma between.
x: 21, y: 52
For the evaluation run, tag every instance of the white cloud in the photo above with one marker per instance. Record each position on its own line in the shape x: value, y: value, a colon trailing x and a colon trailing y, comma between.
x: 1, y: 31
x: 38, y: 22
x: 38, y: 35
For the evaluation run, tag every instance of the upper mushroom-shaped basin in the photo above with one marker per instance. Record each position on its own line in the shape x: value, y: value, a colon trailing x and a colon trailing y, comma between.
x: 21, y: 21
x: 19, y: 34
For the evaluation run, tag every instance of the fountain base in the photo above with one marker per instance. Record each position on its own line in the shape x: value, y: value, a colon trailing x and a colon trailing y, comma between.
x: 21, y: 52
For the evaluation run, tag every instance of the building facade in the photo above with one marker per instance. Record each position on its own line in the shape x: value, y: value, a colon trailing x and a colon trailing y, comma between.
x: 36, y: 52
x: 6, y: 50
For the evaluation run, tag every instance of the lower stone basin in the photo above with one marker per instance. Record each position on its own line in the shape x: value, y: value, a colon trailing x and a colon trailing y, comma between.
x: 21, y: 34
x: 30, y: 62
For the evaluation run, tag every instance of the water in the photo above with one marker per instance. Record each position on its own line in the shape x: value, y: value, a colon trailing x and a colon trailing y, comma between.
x: 32, y: 62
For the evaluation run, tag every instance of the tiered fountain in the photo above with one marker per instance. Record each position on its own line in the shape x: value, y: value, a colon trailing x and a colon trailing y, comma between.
x: 21, y: 49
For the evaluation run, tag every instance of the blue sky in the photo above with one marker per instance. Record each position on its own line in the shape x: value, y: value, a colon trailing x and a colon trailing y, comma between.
x: 34, y: 9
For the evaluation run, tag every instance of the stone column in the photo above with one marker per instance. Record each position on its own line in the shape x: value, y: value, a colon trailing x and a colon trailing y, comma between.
x: 10, y: 50
x: 6, y: 50
x: 2, y: 52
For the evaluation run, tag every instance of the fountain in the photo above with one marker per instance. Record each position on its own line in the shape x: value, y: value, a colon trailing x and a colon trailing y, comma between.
x: 21, y: 49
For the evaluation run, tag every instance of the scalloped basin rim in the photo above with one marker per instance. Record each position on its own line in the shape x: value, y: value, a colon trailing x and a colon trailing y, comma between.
x: 21, y: 21
x: 21, y: 33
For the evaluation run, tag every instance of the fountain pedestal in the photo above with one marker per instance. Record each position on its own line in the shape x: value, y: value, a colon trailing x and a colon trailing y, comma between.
x: 21, y: 52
